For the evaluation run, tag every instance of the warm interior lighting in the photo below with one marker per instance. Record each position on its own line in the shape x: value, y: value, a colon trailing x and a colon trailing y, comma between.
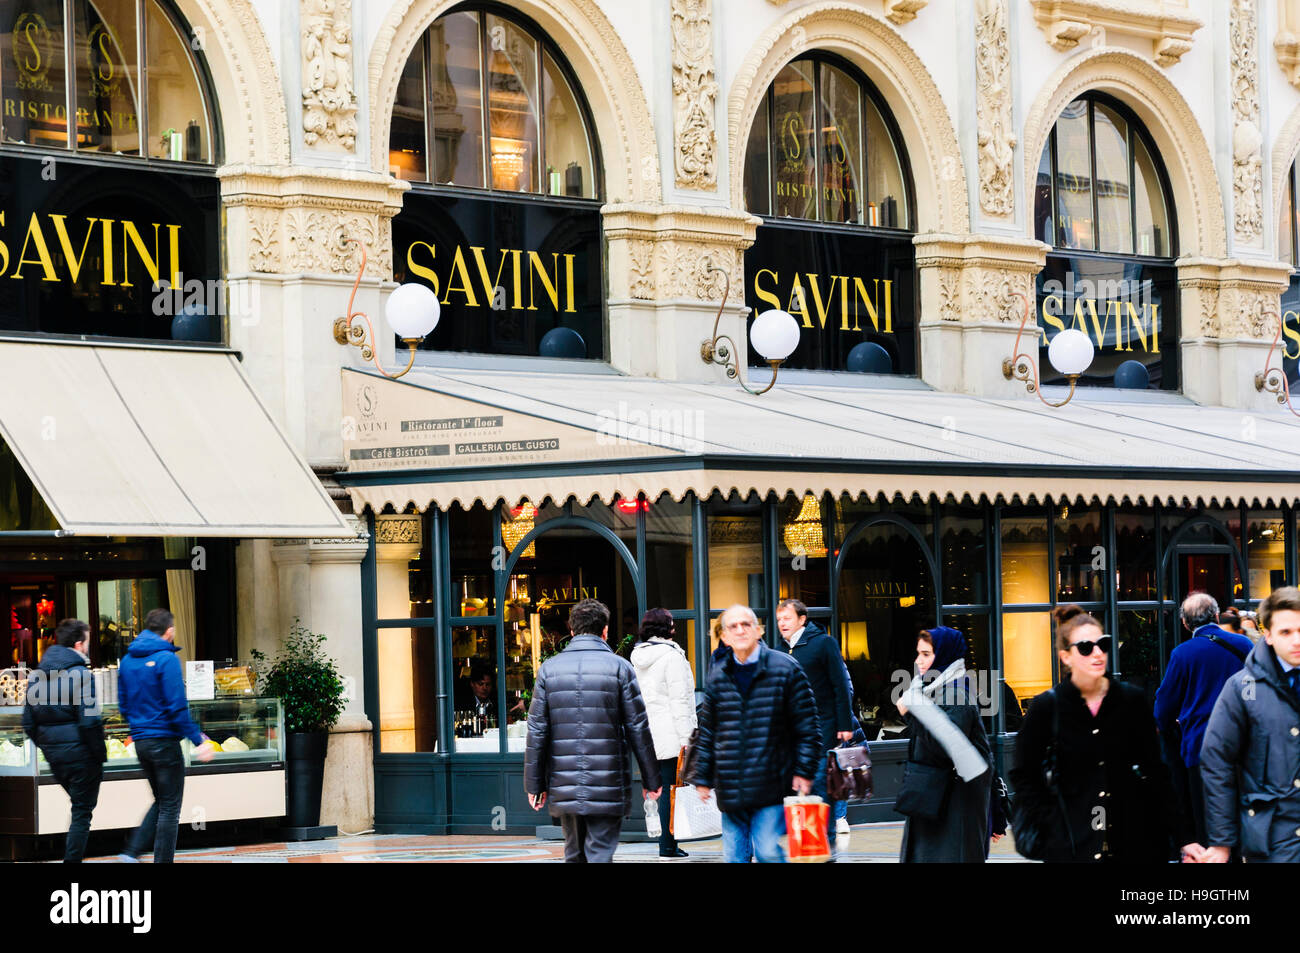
x: 508, y: 161
x: 523, y: 519
x: 804, y: 533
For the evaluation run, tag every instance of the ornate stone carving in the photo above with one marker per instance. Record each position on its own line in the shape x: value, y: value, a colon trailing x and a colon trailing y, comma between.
x: 263, y: 239
x: 949, y: 294
x: 1247, y: 140
x: 1287, y: 41
x: 660, y: 252
x: 917, y: 103
x: 329, y: 101
x: 399, y: 529
x: 641, y: 267
x: 902, y: 12
x: 1231, y: 300
x: 997, y: 138
x: 695, y: 94
x: 1168, y: 24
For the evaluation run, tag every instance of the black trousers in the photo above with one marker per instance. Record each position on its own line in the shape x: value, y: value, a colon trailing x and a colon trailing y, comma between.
x: 80, y: 777
x: 590, y: 839
x: 668, y: 772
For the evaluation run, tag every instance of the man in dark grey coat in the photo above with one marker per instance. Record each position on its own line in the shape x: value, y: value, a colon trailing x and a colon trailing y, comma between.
x: 586, y: 713
x: 1250, y: 760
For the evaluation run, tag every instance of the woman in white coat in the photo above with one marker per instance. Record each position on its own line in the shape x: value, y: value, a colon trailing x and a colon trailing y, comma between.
x: 668, y: 688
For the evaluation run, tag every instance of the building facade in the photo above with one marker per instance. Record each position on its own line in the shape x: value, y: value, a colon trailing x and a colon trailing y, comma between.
x: 593, y: 190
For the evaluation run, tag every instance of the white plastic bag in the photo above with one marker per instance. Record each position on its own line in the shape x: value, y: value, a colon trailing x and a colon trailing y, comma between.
x: 693, y: 817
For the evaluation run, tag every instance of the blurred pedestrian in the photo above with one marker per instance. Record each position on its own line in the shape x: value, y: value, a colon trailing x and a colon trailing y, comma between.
x: 668, y: 687
x: 947, y: 779
x: 585, y: 715
x: 62, y: 717
x: 1109, y: 798
x: 1230, y: 620
x: 1197, y: 671
x: 758, y: 739
x: 1250, y: 758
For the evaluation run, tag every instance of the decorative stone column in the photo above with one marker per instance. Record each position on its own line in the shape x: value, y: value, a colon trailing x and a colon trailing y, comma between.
x: 398, y: 540
x: 969, y: 317
x: 662, y: 298
x: 290, y: 275
x: 320, y: 585
x: 1229, y: 316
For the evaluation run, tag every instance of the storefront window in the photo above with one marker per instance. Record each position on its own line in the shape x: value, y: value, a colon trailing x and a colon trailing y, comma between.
x: 533, y: 137
x: 476, y: 723
x: 408, y: 691
x: 1024, y: 555
x: 470, y: 533
x: 990, y: 690
x: 108, y: 95
x: 1080, y: 555
x: 1027, y: 653
x: 1266, y: 548
x: 964, y: 555
x: 670, y: 555
x: 1099, y: 174
x: 804, y: 549
x: 1138, y: 641
x: 885, y: 597
x: 735, y: 527
x: 122, y: 606
x: 1135, y: 554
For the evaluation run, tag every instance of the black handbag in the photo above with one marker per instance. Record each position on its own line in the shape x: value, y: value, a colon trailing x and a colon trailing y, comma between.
x: 848, y: 773
x: 925, y: 790
x: 1031, y: 833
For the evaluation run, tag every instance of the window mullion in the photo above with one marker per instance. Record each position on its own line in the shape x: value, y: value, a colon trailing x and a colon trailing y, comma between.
x: 1092, y: 174
x: 1132, y: 190
x: 820, y: 214
x: 485, y: 123
x: 141, y: 55
x: 70, y: 74
x: 430, y: 139
x: 543, y: 180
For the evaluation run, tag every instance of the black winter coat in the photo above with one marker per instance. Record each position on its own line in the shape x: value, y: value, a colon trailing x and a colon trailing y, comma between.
x: 586, y: 713
x: 819, y: 656
x: 1250, y: 763
x: 62, y: 713
x: 960, y: 834
x: 750, y: 749
x: 1119, y: 801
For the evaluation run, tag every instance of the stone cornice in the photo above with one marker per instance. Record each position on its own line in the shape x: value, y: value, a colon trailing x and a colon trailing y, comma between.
x: 678, y: 222
x: 1168, y: 24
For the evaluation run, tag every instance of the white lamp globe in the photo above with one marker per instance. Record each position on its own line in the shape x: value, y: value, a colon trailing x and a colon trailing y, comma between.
x: 774, y: 334
x: 412, y: 311
x: 1070, y: 352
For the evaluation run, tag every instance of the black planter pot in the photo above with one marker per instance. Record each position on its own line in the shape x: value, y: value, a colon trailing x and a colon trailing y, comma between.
x: 305, y: 766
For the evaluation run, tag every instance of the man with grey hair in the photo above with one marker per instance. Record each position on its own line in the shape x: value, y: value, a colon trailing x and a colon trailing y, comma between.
x: 758, y: 739
x: 1197, y: 672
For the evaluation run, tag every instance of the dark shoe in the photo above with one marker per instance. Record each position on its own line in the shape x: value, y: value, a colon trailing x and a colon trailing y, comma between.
x: 673, y: 855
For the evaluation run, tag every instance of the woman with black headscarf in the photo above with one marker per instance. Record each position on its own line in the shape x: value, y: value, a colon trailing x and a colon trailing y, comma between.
x: 946, y: 783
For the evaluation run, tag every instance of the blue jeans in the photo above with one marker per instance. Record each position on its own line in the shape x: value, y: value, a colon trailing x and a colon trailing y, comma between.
x: 841, y: 809
x: 164, y: 766
x: 753, y: 832
x: 819, y: 788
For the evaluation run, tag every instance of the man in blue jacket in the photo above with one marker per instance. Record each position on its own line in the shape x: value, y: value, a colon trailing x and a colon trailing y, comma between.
x: 62, y: 716
x: 151, y: 696
x: 1197, y: 672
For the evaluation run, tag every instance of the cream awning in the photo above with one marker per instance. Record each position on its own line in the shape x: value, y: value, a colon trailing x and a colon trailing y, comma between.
x: 152, y: 441
x: 605, y: 435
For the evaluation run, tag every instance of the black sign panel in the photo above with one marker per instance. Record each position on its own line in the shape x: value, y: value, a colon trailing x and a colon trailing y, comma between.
x: 85, y: 248
x: 1128, y: 308
x: 1290, y: 343
x: 844, y: 287
x: 506, y: 271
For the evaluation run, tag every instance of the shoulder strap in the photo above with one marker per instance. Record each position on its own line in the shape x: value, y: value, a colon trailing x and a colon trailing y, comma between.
x: 1220, y: 641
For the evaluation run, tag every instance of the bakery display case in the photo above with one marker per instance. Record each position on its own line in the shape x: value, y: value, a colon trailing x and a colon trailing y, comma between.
x: 244, y: 780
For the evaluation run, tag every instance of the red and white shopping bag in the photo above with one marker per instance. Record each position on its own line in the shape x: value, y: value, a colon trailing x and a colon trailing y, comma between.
x: 805, y: 825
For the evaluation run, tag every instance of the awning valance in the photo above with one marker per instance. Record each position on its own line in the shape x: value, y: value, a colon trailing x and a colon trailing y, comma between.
x: 152, y: 441
x: 488, y: 437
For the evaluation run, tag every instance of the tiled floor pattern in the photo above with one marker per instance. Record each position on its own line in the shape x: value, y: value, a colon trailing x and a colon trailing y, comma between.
x: 869, y: 843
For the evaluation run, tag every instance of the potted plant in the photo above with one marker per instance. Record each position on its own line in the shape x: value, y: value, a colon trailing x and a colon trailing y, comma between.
x: 307, y: 683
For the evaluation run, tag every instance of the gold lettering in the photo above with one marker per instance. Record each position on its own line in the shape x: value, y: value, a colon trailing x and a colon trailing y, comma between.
x: 1136, y: 319
x: 105, y: 70
x: 489, y: 285
x: 796, y: 295
x: 568, y: 280
x: 108, y: 251
x: 416, y: 268
x: 174, y: 246
x: 74, y: 261
x: 4, y: 249
x: 535, y: 267
x: 1049, y: 319
x: 844, y: 305
x: 34, y: 234
x: 517, y: 255
x: 1289, y: 327
x: 29, y: 64
x: 873, y: 307
x: 768, y: 297
x: 817, y: 299
x: 466, y: 288
x: 1155, y: 329
x: 1098, y: 327
x: 151, y: 262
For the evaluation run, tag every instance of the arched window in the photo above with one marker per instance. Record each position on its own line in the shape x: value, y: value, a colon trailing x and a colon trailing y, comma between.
x: 1102, y: 202
x: 822, y: 147
x: 534, y: 134
x: 133, y: 84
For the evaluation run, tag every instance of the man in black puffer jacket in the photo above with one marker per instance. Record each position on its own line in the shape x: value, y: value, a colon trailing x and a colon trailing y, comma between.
x: 586, y: 713
x: 759, y: 737
x: 62, y: 716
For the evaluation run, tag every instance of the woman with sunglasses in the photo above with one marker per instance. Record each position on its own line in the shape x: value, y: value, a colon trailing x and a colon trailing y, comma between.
x: 668, y: 687
x: 1088, y: 768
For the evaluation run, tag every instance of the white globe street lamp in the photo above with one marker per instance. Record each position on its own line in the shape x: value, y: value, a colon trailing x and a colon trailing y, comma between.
x: 774, y: 335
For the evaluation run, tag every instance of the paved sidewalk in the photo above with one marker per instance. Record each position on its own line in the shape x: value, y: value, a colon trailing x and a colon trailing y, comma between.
x: 868, y: 844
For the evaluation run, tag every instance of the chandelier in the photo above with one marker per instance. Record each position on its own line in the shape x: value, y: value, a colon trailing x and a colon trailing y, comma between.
x: 804, y: 535
x: 522, y: 520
